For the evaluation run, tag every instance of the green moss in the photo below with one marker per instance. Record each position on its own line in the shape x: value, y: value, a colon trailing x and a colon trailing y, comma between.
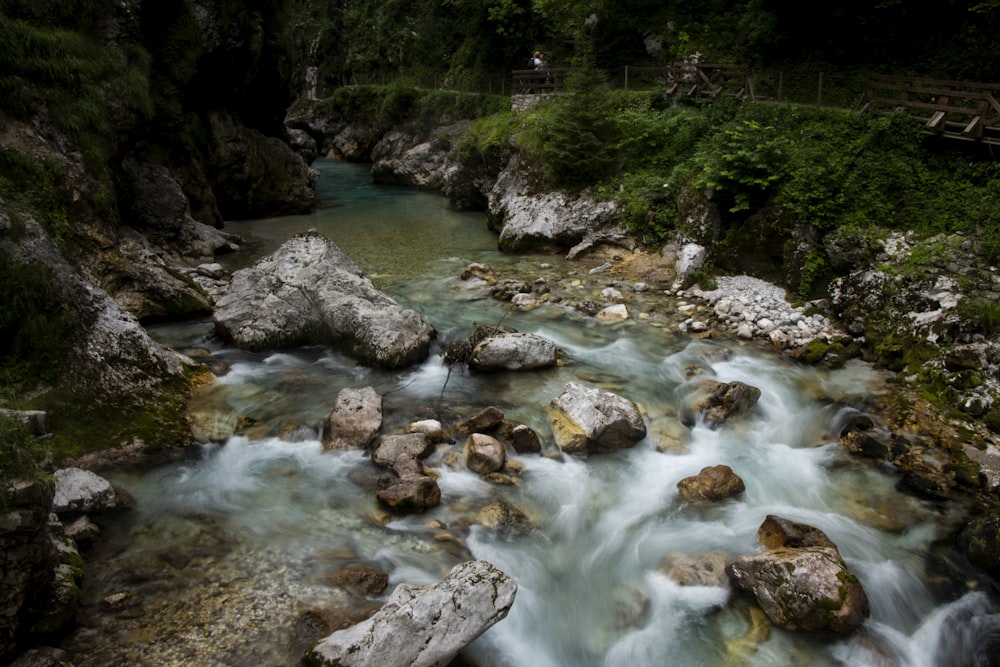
x: 831, y: 604
x: 992, y: 420
x: 846, y: 577
x: 966, y: 470
x: 81, y: 427
x: 814, y: 351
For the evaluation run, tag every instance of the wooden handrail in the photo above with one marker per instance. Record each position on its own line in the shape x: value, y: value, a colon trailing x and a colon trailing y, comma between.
x: 941, y: 82
x: 941, y: 99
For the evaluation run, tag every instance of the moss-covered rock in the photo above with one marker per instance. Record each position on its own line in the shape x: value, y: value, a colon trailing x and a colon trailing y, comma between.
x: 980, y: 540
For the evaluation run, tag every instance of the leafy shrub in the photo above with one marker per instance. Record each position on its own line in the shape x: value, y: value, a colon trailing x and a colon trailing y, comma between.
x: 743, y: 161
x: 488, y: 137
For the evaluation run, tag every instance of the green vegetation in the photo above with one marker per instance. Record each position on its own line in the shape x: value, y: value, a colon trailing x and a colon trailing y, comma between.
x: 35, y: 187
x: 70, y: 76
x: 35, y: 329
x: 22, y: 455
x: 983, y: 312
x: 459, y: 43
x: 402, y: 104
x: 828, y: 168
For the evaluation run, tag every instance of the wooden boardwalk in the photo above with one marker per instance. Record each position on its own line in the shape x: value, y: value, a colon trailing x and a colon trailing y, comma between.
x: 964, y: 110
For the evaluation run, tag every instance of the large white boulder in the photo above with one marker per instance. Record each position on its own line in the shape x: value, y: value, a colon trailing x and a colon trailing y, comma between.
x: 422, y: 626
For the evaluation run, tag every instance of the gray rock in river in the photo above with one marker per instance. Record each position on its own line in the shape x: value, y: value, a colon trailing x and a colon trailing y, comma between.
x: 594, y: 420
x: 549, y: 221
x: 514, y: 352
x: 79, y: 490
x: 355, y: 420
x: 801, y: 582
x: 309, y: 292
x: 423, y: 626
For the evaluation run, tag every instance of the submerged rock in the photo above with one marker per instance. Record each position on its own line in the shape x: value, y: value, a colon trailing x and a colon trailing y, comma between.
x: 704, y: 570
x: 422, y: 626
x: 503, y: 517
x: 309, y: 292
x: 361, y: 580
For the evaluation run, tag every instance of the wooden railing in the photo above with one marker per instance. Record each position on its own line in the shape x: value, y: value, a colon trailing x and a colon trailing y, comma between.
x: 540, y: 81
x: 708, y: 79
x: 957, y: 109
x: 695, y: 79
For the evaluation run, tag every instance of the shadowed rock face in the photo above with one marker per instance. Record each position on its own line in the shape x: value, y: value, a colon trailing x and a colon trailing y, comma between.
x: 309, y: 292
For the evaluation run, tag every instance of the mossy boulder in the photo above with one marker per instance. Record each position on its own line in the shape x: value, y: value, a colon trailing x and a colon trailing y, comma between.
x: 980, y: 540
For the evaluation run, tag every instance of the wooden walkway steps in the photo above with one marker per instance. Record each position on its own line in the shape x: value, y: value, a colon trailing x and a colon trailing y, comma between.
x: 966, y: 110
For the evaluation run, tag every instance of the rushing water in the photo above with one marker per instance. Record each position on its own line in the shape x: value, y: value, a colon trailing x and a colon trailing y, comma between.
x: 227, y: 555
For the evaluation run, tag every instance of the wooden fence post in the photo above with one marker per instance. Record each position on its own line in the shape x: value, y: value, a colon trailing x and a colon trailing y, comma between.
x: 781, y: 83
x: 819, y: 94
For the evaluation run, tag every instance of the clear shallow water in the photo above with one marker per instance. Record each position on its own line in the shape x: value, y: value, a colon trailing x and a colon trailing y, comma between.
x: 227, y: 553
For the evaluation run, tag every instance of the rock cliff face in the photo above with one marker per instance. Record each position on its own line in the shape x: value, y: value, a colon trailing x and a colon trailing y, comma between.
x: 28, y: 559
x: 102, y: 218
x: 118, y: 238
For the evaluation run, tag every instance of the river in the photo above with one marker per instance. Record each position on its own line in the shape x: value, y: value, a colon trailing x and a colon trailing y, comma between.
x: 227, y: 557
